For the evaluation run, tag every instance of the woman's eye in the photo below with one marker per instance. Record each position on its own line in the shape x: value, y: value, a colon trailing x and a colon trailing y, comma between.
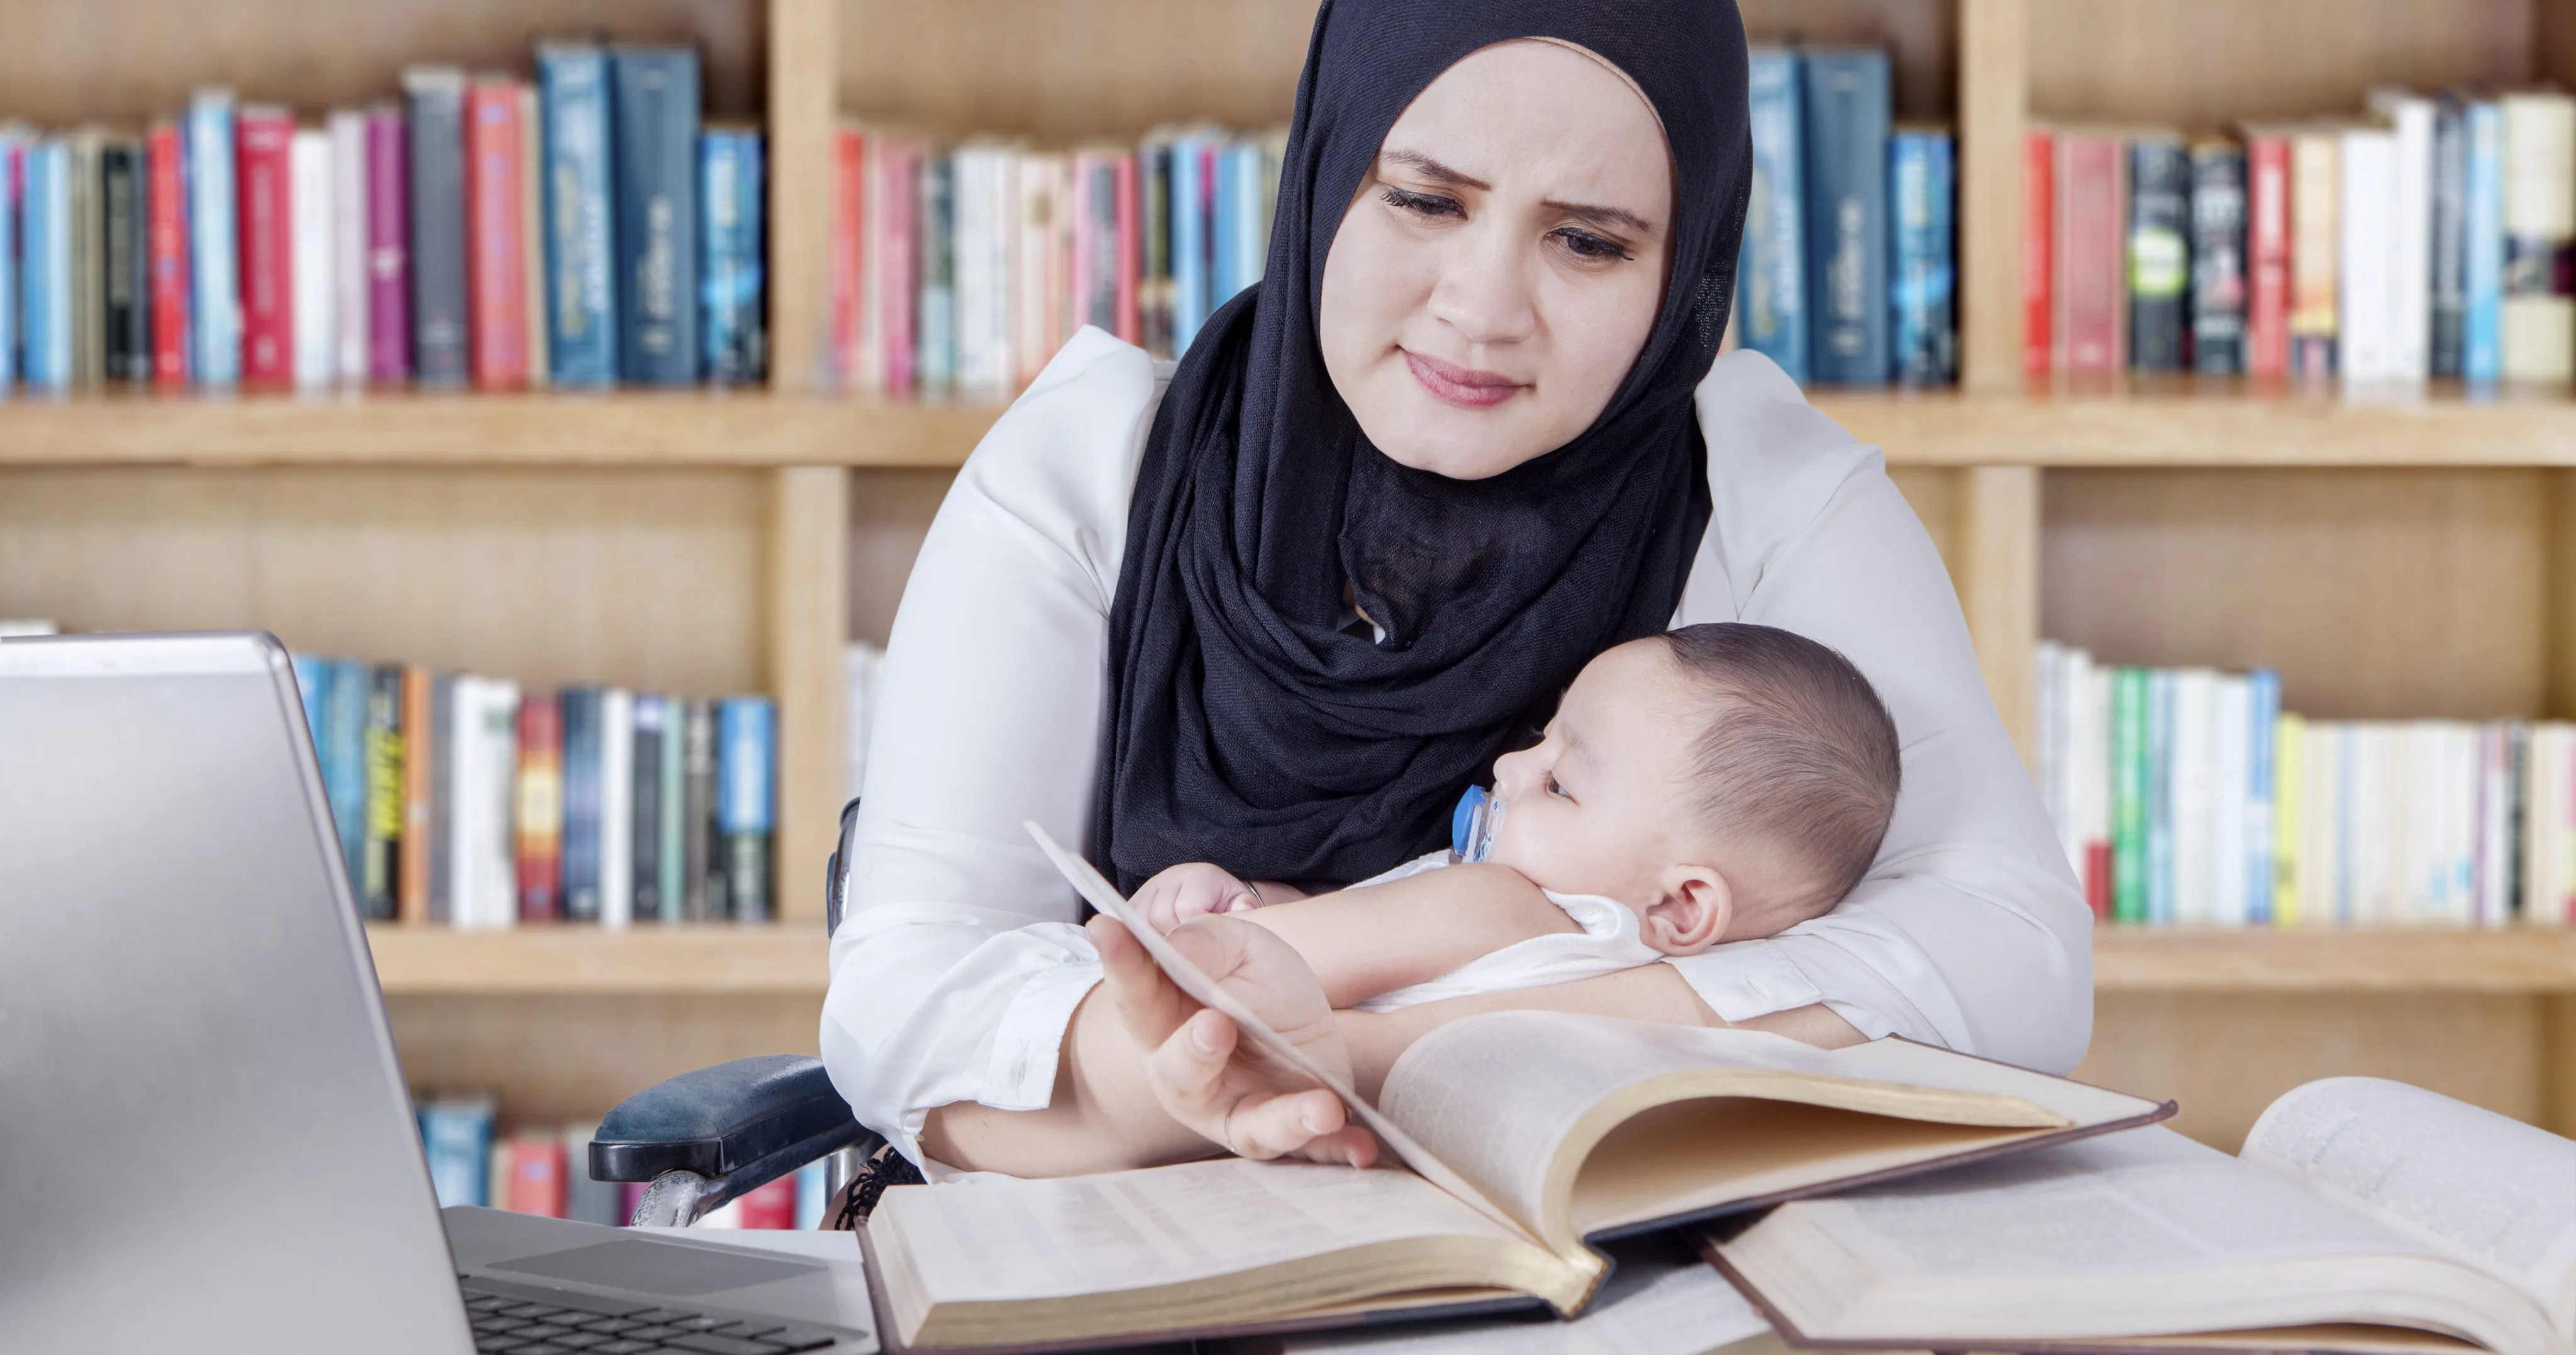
x: 1584, y: 244
x: 1422, y: 204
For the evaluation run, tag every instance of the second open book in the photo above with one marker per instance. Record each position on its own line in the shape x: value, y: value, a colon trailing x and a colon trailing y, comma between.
x: 1524, y: 1137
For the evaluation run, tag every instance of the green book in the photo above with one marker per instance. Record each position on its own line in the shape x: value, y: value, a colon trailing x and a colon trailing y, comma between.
x: 2129, y: 795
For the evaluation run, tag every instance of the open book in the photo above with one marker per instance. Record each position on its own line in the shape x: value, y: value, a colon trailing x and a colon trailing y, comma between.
x: 2362, y: 1215
x: 1526, y: 1135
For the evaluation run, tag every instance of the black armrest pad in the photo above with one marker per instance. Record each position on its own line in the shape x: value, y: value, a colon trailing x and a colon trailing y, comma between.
x: 714, y: 1121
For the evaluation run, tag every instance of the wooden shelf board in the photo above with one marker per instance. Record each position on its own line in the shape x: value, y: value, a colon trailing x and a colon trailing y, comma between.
x: 783, y: 959
x: 2341, y: 960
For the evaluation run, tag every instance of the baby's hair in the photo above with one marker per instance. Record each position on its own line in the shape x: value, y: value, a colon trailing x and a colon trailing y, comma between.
x: 1799, y: 752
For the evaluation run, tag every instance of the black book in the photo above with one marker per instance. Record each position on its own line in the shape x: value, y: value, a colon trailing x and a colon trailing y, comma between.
x: 2218, y: 257
x: 2450, y: 236
x: 2159, y: 253
x: 124, y: 263
x: 380, y: 868
x: 434, y: 112
x: 654, y: 121
x: 651, y: 717
x: 702, y: 880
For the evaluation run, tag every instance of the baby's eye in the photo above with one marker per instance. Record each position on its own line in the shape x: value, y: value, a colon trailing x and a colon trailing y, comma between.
x: 1422, y: 204
x: 1555, y: 789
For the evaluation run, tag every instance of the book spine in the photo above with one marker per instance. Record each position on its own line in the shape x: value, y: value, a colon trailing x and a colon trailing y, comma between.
x: 867, y: 331
x: 2267, y: 256
x: 2450, y: 239
x: 2038, y: 236
x: 436, y: 159
x: 2289, y: 816
x: 580, y: 257
x: 126, y: 260
x: 433, y: 745
x: 2370, y: 342
x: 1154, y: 247
x: 344, y: 766
x: 1772, y: 265
x: 348, y: 251
x: 214, y: 274
x: 1846, y: 190
x: 1225, y: 227
x: 899, y: 286
x: 89, y: 307
x: 2262, y: 792
x: 654, y: 119
x: 2090, y: 232
x: 266, y: 138
x: 12, y: 150
x: 616, y: 807
x: 2159, y: 268
x: 2482, y: 245
x: 701, y: 882
x: 1921, y: 284
x: 673, y: 852
x: 532, y: 239
x: 2409, y: 226
x: 1105, y: 263
x: 496, y: 858
x: 2315, y: 327
x: 848, y: 234
x: 1129, y: 246
x: 747, y: 798
x: 581, y: 774
x: 45, y: 272
x: 645, y: 801
x: 1032, y: 240
x: 456, y: 1140
x: 1189, y: 231
x: 935, y: 350
x: 2160, y: 796
x: 2128, y: 796
x: 540, y: 803
x: 495, y: 262
x: 730, y: 267
x: 2539, y: 222
x: 312, y: 284
x: 2218, y: 258
x: 388, y: 248
x: 381, y: 894
x: 415, y: 767
x: 537, y: 1174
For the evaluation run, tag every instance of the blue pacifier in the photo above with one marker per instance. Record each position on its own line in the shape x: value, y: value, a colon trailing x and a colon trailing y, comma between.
x: 1473, y: 824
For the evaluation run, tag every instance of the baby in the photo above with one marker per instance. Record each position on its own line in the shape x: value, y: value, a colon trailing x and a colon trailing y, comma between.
x: 1714, y: 783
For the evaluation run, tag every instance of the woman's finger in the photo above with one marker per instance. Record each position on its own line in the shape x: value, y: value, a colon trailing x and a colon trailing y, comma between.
x: 1187, y: 1072
x: 1149, y: 1004
x: 1275, y: 1126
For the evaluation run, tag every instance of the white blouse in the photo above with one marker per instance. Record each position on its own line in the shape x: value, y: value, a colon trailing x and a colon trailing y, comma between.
x: 958, y: 963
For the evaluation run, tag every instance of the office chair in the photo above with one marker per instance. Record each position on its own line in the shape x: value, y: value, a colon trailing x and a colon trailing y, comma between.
x: 706, y: 1137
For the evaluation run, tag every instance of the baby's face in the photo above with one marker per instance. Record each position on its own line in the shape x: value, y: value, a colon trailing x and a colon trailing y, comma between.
x: 1601, y: 805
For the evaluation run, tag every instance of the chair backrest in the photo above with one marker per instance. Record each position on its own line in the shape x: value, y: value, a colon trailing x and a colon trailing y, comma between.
x: 836, y: 872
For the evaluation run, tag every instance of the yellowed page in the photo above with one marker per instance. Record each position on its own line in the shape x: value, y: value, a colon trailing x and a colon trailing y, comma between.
x: 1676, y: 1305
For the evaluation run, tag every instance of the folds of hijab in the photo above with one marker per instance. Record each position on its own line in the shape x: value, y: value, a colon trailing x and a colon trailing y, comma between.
x: 1245, y: 726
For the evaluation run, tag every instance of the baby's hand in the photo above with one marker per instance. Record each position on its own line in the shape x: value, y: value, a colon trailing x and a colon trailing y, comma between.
x: 1191, y: 889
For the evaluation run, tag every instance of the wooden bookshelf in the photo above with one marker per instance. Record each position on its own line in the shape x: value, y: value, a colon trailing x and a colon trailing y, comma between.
x: 586, y: 961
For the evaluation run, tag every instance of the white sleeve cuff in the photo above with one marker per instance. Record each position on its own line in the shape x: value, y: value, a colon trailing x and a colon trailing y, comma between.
x: 1032, y: 1032
x: 1756, y: 978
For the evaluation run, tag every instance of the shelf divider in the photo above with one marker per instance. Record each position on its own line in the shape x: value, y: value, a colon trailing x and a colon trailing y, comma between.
x: 809, y: 625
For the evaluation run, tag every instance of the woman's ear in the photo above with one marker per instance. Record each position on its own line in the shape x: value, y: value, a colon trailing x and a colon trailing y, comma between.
x: 1695, y: 910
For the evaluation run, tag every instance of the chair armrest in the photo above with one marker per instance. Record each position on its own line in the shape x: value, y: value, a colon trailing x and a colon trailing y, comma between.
x: 738, y: 1123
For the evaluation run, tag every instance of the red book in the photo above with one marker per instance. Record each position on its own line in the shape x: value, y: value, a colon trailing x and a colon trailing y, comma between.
x: 2267, y: 255
x: 2038, y: 227
x: 536, y: 1184
x: 540, y: 839
x: 1131, y: 246
x: 849, y: 198
x: 771, y: 1205
x: 496, y: 255
x: 166, y: 226
x: 2092, y: 291
x: 263, y: 140
x: 2097, y: 879
x: 901, y: 163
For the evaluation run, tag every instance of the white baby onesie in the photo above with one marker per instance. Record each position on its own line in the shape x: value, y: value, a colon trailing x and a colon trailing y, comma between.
x: 1608, y: 943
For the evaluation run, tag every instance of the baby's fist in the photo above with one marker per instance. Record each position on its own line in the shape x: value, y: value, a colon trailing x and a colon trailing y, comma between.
x: 1191, y: 889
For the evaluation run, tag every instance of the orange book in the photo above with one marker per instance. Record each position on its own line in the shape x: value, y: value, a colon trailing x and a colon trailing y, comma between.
x: 849, y: 202
x: 411, y: 891
x: 2038, y: 269
x: 540, y: 817
x: 496, y: 256
x: 536, y: 1183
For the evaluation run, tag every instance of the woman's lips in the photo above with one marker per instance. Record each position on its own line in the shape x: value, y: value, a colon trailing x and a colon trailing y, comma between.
x: 1464, y: 387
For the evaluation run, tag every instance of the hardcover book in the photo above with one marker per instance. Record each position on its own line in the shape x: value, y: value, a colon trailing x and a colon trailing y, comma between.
x: 645, y: 799
x: 313, y: 285
x: 540, y: 803
x: 388, y: 247
x: 419, y: 768
x: 2450, y: 171
x: 2092, y: 290
x: 45, y: 280
x: 267, y: 137
x: 935, y: 364
x: 380, y: 879
x: 12, y: 151
x: 2038, y: 251
x: 2482, y: 244
x: 211, y: 252
x: 352, y: 331
x: 496, y: 261
x: 582, y: 745
x: 746, y: 794
x: 2217, y: 257
x: 125, y: 264
x: 2267, y: 253
x: 701, y: 881
x: 2315, y: 265
x: 616, y: 807
x: 435, y: 153
x: 2159, y: 257
x: 1921, y: 277
x: 88, y: 331
x: 580, y: 254
x: 2539, y: 320
x: 2407, y: 218
x: 654, y: 120
x: 1846, y: 190
x: 1771, y: 301
x: 729, y: 266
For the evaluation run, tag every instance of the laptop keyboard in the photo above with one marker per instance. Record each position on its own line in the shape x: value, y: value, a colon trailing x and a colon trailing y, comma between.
x: 524, y: 1320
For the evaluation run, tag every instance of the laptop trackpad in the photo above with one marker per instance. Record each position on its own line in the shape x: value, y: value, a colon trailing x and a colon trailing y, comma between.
x: 658, y: 1268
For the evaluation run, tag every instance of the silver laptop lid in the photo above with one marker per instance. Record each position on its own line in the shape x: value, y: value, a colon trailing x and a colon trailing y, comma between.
x: 205, y: 1143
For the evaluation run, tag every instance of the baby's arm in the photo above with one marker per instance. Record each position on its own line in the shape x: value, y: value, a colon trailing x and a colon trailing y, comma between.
x: 1363, y: 942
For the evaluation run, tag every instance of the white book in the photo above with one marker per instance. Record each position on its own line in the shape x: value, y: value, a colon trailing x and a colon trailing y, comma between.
x: 2410, y: 217
x: 2322, y: 901
x: 2231, y: 789
x: 2539, y: 221
x: 1037, y: 268
x: 616, y: 807
x: 2468, y: 745
x: 311, y: 289
x: 2495, y: 825
x: 2367, y: 300
x: 497, y: 833
x: 2532, y: 878
x: 469, y: 797
x: 349, y: 243
x: 2195, y: 693
x: 987, y: 191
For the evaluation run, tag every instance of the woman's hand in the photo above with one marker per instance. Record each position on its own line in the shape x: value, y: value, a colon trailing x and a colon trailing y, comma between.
x: 1232, y: 1096
x: 1191, y: 889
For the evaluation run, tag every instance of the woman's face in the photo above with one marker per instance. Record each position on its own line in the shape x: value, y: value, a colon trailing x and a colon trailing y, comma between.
x: 1502, y: 262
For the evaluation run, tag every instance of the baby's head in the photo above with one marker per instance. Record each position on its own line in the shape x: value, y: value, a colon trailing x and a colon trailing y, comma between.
x: 1724, y: 781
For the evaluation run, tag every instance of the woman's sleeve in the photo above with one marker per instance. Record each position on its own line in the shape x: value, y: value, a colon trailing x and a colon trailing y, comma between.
x: 957, y: 964
x: 1969, y: 931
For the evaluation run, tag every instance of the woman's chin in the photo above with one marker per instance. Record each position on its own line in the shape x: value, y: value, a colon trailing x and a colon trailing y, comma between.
x: 1461, y: 444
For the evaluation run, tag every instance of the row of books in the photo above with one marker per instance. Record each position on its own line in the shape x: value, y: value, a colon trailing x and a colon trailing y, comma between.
x: 2427, y: 240
x: 965, y: 267
x: 580, y: 230
x: 1849, y: 266
x: 2187, y: 796
x: 470, y: 802
x: 547, y: 1172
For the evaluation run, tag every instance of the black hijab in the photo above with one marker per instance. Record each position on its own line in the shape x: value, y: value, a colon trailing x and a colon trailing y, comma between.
x: 1243, y: 726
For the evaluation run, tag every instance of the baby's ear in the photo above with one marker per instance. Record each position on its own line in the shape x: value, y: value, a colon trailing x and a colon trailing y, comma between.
x: 1696, y: 906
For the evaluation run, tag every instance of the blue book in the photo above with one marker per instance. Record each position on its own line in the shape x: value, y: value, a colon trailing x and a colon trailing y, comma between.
x: 2160, y: 856
x: 1190, y: 227
x: 1237, y: 242
x: 729, y: 270
x: 1846, y: 143
x: 746, y: 799
x: 934, y: 357
x: 456, y: 1137
x: 813, y: 1195
x: 45, y: 290
x: 654, y: 122
x: 11, y: 143
x: 2262, y: 794
x: 342, y: 744
x: 2482, y: 229
x: 1771, y: 271
x: 214, y: 281
x: 1921, y: 185
x: 313, y: 683
x: 581, y: 769
x: 580, y: 253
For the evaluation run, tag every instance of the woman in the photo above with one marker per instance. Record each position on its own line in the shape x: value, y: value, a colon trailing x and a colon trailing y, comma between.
x: 1279, y: 611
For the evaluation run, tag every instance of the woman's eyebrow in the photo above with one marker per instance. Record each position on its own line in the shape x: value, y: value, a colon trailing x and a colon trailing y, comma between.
x: 1602, y: 216
x: 1434, y: 170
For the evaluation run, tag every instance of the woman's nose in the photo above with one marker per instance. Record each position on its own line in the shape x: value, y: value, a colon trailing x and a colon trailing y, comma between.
x: 1484, y: 290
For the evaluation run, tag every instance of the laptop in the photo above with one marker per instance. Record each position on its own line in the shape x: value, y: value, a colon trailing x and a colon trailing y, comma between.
x: 205, y: 1140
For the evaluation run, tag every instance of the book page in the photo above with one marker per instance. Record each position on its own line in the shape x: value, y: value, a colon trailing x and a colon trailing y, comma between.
x: 2491, y: 1190
x: 1660, y: 1301
x: 1008, y: 1240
